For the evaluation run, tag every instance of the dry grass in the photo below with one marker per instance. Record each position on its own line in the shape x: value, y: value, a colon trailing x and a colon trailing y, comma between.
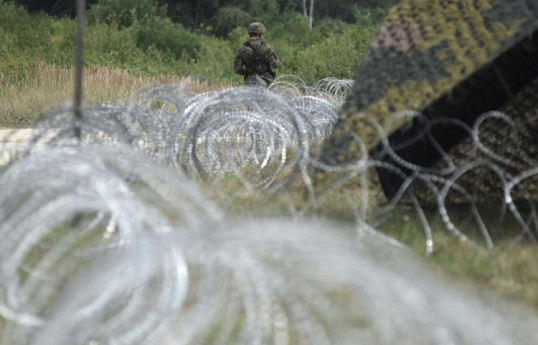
x: 510, y: 270
x: 22, y: 101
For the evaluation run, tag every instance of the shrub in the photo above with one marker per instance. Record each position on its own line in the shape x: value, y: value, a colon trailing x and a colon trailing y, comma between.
x: 63, y: 36
x: 31, y: 33
x: 106, y: 46
x: 291, y: 29
x: 237, y: 36
x: 124, y: 13
x: 215, y: 62
x: 370, y: 17
x: 265, y: 11
x: 337, y: 56
x: 168, y: 37
x: 11, y: 15
x: 228, y: 18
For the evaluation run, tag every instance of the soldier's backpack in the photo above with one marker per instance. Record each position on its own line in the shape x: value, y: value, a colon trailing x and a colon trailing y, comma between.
x: 258, y: 64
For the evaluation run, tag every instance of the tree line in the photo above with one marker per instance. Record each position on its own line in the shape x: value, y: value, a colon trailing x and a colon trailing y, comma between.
x: 219, y: 17
x: 188, y: 38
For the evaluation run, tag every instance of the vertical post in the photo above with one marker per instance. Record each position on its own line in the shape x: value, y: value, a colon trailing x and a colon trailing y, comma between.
x: 308, y: 12
x: 311, y: 15
x: 79, y: 63
x: 305, y: 13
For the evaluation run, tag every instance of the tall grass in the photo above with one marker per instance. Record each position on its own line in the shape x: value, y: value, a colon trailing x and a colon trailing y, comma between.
x: 36, y: 52
x: 23, y: 100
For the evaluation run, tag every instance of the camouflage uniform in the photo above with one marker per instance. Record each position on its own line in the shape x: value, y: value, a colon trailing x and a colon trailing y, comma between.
x: 452, y: 59
x: 245, y: 59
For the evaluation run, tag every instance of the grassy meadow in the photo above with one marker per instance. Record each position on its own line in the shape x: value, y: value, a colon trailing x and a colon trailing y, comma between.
x: 36, y: 72
x: 22, y: 101
x: 37, y: 55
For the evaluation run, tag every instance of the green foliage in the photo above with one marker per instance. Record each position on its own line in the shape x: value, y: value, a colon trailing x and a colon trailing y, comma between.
x: 117, y: 50
x: 370, y: 17
x: 146, y: 21
x: 263, y: 10
x: 122, y: 50
x: 228, y: 18
x: 152, y: 44
x: 24, y: 38
x: 291, y: 29
x: 63, y: 42
x: 383, y: 4
x: 30, y: 32
x: 336, y: 56
x: 333, y: 48
x: 337, y: 9
x: 215, y: 62
x: 237, y: 36
x: 11, y: 15
x: 167, y: 37
x: 57, y: 8
x: 13, y: 68
x: 124, y: 13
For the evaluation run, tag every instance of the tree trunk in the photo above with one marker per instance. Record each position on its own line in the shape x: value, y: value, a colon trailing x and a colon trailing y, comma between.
x: 308, y: 12
x: 311, y: 15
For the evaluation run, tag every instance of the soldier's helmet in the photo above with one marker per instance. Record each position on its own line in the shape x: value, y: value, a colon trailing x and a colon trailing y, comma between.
x: 256, y: 28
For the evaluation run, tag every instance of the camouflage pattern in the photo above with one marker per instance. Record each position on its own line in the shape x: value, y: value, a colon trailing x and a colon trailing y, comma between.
x: 426, y: 55
x: 256, y: 28
x: 245, y: 55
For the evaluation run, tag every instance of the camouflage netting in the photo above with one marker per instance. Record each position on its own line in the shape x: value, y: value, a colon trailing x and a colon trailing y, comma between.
x: 435, y: 70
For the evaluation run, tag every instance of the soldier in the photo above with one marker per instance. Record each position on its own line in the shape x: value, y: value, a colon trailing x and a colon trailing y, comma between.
x: 255, y: 58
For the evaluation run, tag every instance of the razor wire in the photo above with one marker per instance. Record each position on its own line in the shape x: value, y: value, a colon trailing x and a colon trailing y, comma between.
x: 483, y: 190
x: 64, y: 208
x: 229, y: 131
x: 334, y: 90
x: 265, y: 282
x: 268, y: 140
x: 119, y: 207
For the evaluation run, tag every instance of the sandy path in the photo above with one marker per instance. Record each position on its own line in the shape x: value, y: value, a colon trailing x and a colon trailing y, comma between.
x: 14, y: 140
x: 22, y: 135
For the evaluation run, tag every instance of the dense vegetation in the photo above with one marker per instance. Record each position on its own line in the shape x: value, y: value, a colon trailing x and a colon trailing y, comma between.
x: 186, y: 38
